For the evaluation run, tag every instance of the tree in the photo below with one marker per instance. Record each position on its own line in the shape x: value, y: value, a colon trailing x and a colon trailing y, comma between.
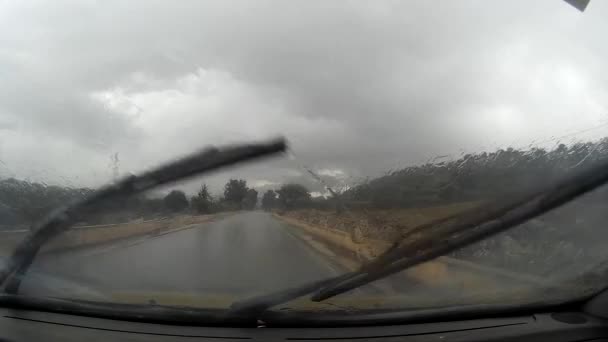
x: 151, y: 207
x: 235, y: 191
x: 269, y: 200
x: 25, y: 202
x: 251, y: 199
x: 292, y: 196
x: 202, y: 202
x: 176, y: 201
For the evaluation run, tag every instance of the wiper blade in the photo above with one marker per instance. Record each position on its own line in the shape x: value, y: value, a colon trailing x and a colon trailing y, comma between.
x: 441, y: 237
x: 259, y: 304
x: 464, y: 230
x: 61, y: 220
x: 132, y: 312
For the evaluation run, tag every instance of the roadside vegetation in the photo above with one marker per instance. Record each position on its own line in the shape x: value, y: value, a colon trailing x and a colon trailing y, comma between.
x: 385, y: 207
x: 23, y: 203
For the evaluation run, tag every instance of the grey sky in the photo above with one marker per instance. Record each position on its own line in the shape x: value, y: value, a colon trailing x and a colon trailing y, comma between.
x: 358, y: 87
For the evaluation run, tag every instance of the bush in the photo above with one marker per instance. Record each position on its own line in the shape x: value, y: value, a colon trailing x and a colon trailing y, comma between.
x: 176, y: 201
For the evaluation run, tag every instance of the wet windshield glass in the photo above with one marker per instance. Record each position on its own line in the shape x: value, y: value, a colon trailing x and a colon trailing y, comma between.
x: 398, y: 115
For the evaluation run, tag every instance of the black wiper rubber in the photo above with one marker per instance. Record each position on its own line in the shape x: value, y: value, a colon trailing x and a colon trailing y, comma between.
x: 61, y: 220
x: 259, y: 304
x: 131, y: 312
x: 441, y: 237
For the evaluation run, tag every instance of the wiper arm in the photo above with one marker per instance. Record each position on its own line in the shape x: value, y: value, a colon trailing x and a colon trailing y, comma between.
x: 61, y: 220
x: 441, y: 237
x: 464, y: 230
x: 259, y: 304
x: 132, y: 312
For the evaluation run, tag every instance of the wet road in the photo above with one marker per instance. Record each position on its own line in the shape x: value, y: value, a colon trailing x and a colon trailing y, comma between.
x: 243, y: 254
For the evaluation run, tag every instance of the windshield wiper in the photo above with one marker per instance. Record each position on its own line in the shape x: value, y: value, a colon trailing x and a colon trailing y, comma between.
x: 442, y: 237
x: 132, y: 312
x: 61, y: 220
x: 259, y: 304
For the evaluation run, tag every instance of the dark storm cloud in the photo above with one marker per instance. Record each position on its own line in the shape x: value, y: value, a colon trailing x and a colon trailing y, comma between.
x: 358, y: 87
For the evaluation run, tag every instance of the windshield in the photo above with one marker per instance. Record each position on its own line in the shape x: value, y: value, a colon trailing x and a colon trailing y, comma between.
x: 398, y: 117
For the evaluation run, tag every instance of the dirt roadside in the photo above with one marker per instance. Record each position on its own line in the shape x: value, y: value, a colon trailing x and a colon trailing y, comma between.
x: 339, y: 246
x: 443, y: 272
x: 95, y: 235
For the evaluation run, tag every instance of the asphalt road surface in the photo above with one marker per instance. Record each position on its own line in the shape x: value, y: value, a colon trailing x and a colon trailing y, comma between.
x: 242, y: 254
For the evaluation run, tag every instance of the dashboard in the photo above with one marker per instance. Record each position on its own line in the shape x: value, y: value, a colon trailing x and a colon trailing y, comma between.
x: 26, y: 325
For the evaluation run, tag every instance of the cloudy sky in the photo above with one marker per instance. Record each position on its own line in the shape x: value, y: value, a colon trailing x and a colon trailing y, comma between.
x: 357, y: 87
